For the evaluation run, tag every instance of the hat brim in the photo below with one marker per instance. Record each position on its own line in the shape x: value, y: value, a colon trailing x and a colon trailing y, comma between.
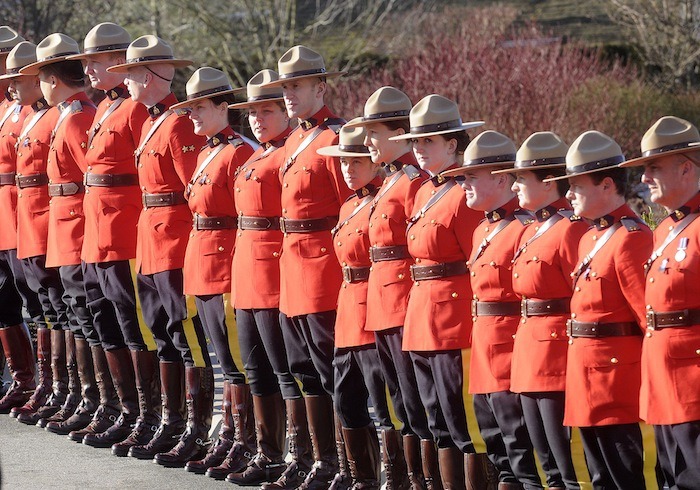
x: 9, y: 76
x: 33, y: 68
x: 367, y: 122
x: 469, y: 168
x: 335, y: 151
x: 568, y: 176
x: 125, y: 67
x: 525, y: 169
x: 190, y: 102
x: 639, y: 161
x: 462, y: 127
x: 84, y: 56
x: 245, y: 105
x: 282, y: 81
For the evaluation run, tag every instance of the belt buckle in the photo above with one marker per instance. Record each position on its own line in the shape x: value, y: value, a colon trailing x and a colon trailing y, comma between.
x: 474, y: 313
x: 371, y: 254
x: 412, y: 271
x: 283, y: 228
x: 569, y: 327
x: 651, y: 319
x: 523, y: 307
x: 347, y: 274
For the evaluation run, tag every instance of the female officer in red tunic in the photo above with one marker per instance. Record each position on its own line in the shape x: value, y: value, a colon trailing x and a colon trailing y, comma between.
x: 436, y: 329
x: 207, y: 269
x: 544, y: 258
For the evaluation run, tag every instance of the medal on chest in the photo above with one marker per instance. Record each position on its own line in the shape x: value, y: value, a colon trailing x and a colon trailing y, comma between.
x: 681, y: 250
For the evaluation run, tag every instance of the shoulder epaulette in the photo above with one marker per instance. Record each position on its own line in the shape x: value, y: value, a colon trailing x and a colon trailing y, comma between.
x: 334, y: 124
x: 524, y: 216
x: 181, y: 112
x: 411, y: 172
x: 76, y: 106
x: 569, y: 214
x: 235, y: 141
x: 631, y: 224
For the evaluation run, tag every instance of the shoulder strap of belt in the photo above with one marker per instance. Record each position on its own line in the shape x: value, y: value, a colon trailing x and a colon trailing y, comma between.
x: 385, y: 188
x: 93, y: 132
x: 152, y: 131
x: 65, y: 112
x: 581, y: 268
x: 8, y: 113
x: 431, y: 202
x: 682, y: 225
x: 203, y: 166
x: 487, y: 240
x: 264, y: 154
x: 303, y: 146
x: 359, y: 208
x: 31, y: 123
x: 553, y: 220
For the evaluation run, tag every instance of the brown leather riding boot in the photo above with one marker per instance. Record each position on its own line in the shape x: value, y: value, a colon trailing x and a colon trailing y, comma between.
x: 193, y: 445
x: 342, y: 479
x: 319, y: 412
x: 70, y: 405
x: 431, y: 470
x: 217, y: 452
x: 172, y: 425
x: 90, y: 395
x: 414, y: 462
x: 242, y: 450
x: 59, y: 387
x: 43, y: 387
x: 394, y: 462
x: 19, y: 356
x: 362, y: 448
x: 299, y: 448
x: 268, y: 464
x: 146, y: 417
x: 451, y: 468
x: 480, y: 473
x: 108, y: 411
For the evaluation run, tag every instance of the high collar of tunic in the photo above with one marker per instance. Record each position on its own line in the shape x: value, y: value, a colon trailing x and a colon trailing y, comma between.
x: 691, y: 206
x: 116, y: 92
x: 548, y: 211
x: 610, y: 219
x: 508, y: 209
x: 368, y: 190
x: 220, y: 138
x: 39, y: 105
x: 316, y: 119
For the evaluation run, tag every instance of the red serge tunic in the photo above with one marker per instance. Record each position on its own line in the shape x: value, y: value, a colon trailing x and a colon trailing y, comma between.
x: 390, y: 281
x: 66, y: 164
x: 351, y: 242
x: 33, y: 202
x: 312, y: 188
x: 603, y: 374
x: 209, y: 253
x: 670, y: 369
x: 256, y: 268
x: 12, y: 116
x: 492, y: 280
x: 544, y: 267
x: 111, y: 213
x: 437, y: 317
x: 165, y: 165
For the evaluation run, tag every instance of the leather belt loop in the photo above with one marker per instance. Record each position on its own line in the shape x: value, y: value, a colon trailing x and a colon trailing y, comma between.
x: 495, y: 308
x: 7, y: 178
x: 437, y: 271
x: 307, y: 225
x: 110, y: 180
x: 600, y: 330
x: 355, y: 274
x: 162, y: 199
x: 34, y: 180
x: 381, y: 254
x: 220, y: 223
x: 658, y: 320
x: 66, y: 189
x: 543, y: 307
x: 259, y: 223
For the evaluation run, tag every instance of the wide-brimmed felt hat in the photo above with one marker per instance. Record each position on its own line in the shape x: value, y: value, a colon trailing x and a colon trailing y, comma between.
x: 52, y: 49
x: 8, y: 39
x: 301, y: 62
x: 351, y: 143
x: 148, y: 50
x: 106, y: 37
x: 21, y: 55
x: 667, y: 136
x: 488, y: 150
x: 206, y: 83
x: 434, y: 115
x: 592, y: 152
x: 541, y: 150
x: 384, y: 105
x: 257, y: 91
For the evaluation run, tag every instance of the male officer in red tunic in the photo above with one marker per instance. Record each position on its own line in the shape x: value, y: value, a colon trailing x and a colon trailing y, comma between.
x: 312, y: 193
x: 166, y: 159
x: 607, y: 315
x: 670, y: 376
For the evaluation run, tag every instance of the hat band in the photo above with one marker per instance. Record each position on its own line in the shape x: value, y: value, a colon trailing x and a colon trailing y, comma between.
x: 597, y: 165
x: 677, y: 146
x: 429, y: 128
x: 13, y: 71
x: 384, y: 115
x: 539, y: 161
x: 150, y: 58
x: 354, y: 148
x: 315, y: 71
x: 6, y: 50
x: 259, y: 98
x: 54, y: 56
x: 210, y: 91
x: 508, y: 157
x: 106, y: 47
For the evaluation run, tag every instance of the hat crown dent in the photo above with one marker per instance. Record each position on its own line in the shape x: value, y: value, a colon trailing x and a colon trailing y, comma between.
x: 9, y: 38
x: 434, y: 109
x: 540, y: 145
x: 255, y: 88
x: 147, y: 46
x: 106, y: 34
x: 56, y: 44
x: 592, y: 146
x: 207, y: 78
x: 352, y: 136
x: 300, y: 58
x: 667, y: 131
x: 22, y: 54
x: 387, y: 100
x: 489, y: 144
